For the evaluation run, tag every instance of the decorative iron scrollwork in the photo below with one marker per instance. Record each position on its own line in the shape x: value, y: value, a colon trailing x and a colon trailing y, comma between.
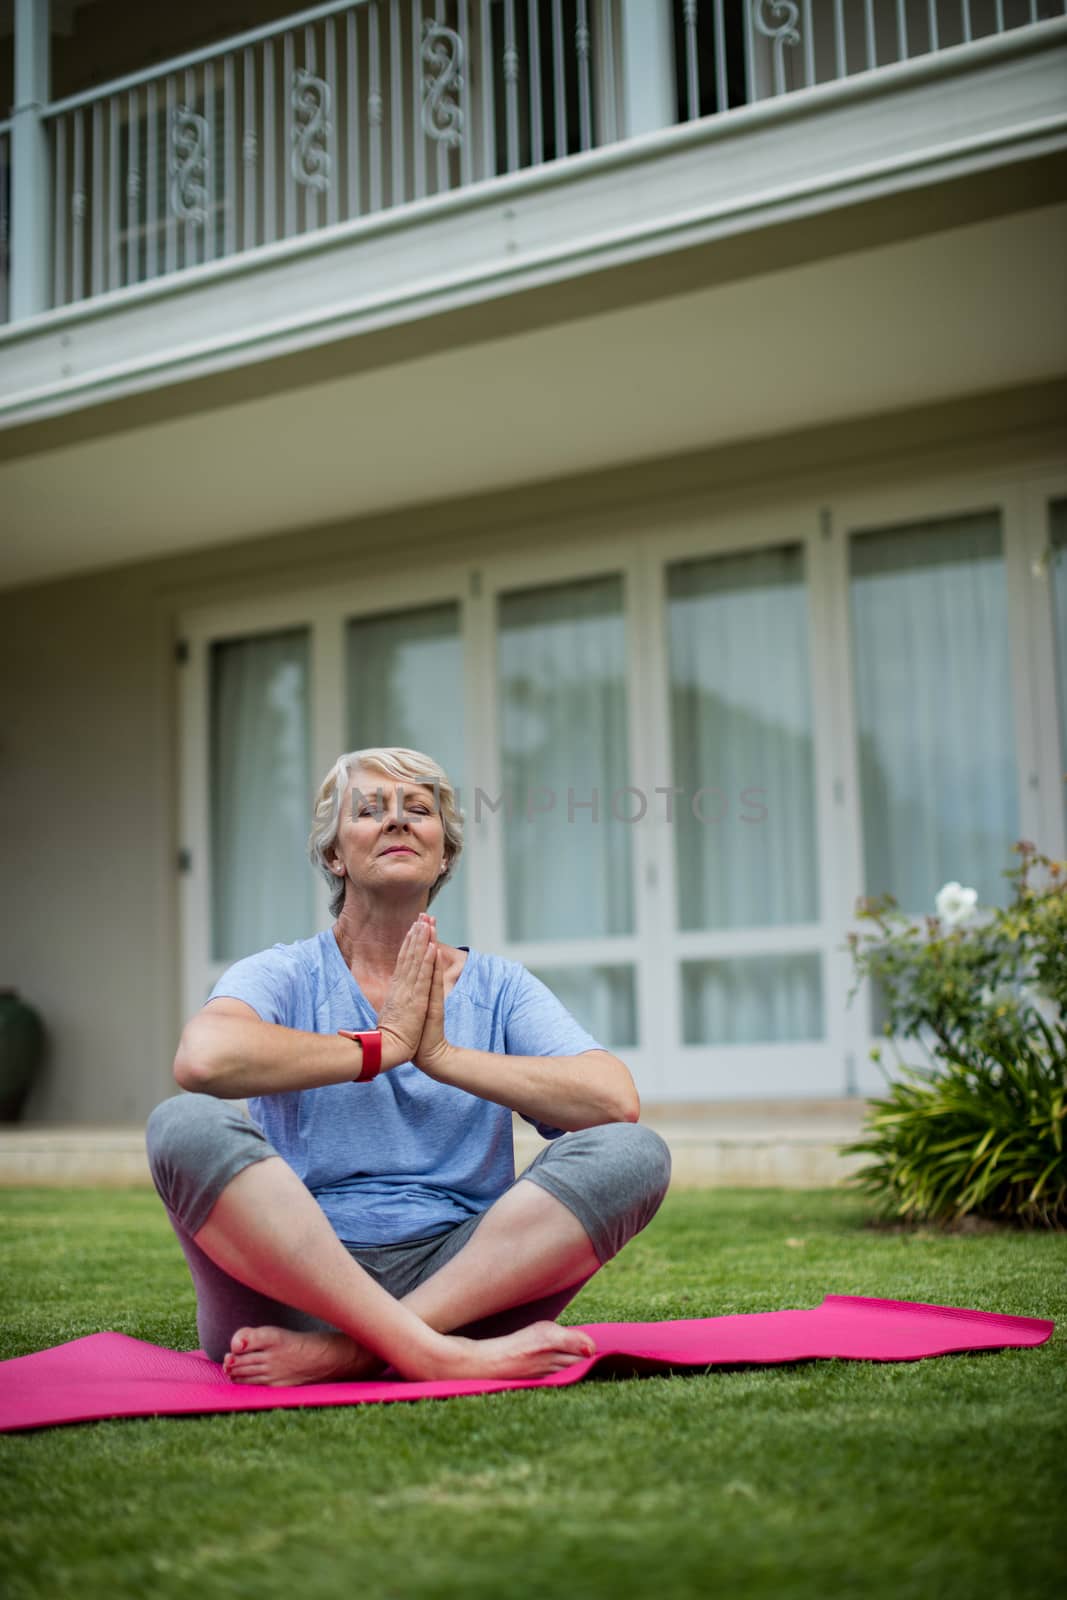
x: 783, y: 33
x: 189, y: 138
x: 311, y: 129
x: 442, y: 52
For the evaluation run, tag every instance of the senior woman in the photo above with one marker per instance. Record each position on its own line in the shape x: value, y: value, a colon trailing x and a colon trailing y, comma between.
x: 369, y: 1213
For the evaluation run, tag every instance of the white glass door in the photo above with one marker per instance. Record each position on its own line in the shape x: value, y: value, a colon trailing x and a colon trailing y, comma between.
x: 939, y: 702
x: 681, y: 758
x: 404, y: 686
x: 1055, y: 565
x: 561, y: 736
x: 260, y: 779
x: 743, y: 758
x: 744, y: 839
x: 934, y: 713
x: 1044, y: 623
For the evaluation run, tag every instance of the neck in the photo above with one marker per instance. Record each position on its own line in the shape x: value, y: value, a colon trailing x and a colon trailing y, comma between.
x: 369, y: 935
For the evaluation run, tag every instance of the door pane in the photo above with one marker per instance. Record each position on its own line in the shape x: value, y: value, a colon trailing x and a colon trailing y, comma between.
x: 752, y: 1000
x: 1057, y: 512
x: 262, y: 884
x: 741, y: 726
x: 563, y: 743
x: 933, y: 708
x: 603, y: 1000
x: 404, y: 681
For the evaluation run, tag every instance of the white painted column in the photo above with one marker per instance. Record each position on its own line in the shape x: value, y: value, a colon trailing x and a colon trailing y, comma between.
x: 648, y: 97
x: 30, y: 185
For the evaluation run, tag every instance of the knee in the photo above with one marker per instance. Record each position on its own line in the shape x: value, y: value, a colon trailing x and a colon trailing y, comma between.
x: 179, y: 1136
x: 621, y: 1177
x: 628, y: 1165
x: 642, y: 1155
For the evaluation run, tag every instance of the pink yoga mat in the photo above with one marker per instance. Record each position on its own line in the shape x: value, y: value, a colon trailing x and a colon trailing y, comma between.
x: 111, y: 1375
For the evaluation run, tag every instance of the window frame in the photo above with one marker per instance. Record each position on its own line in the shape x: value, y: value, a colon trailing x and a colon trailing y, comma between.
x: 324, y: 610
x: 901, y: 506
x: 640, y: 546
x: 1045, y: 780
x: 748, y: 1071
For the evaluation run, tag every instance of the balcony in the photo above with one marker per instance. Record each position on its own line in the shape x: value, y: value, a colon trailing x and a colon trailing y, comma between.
x: 362, y: 163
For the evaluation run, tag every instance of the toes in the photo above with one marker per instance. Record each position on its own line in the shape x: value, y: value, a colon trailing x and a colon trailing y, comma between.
x: 251, y: 1369
x: 238, y: 1370
x: 575, y: 1342
x: 248, y: 1339
x: 570, y: 1341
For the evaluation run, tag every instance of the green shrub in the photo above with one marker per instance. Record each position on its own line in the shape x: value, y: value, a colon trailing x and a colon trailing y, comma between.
x: 978, y: 1130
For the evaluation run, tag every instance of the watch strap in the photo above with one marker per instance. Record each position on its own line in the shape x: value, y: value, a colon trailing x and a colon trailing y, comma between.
x: 371, y: 1043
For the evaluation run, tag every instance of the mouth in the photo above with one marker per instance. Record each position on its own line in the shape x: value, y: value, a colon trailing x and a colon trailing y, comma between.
x: 399, y: 850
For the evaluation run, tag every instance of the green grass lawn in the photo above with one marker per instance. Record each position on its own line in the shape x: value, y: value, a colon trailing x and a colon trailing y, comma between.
x: 937, y: 1479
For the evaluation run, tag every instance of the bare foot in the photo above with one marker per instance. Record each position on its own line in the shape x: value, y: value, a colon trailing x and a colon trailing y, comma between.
x: 277, y: 1356
x: 533, y: 1352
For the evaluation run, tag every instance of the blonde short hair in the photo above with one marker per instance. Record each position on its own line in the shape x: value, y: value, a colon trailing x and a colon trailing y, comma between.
x: 403, y: 766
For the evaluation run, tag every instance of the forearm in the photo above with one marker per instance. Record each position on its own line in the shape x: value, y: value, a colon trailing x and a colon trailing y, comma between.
x: 231, y: 1058
x: 568, y: 1092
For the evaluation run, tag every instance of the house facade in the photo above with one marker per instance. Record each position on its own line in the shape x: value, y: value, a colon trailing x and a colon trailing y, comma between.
x: 653, y: 411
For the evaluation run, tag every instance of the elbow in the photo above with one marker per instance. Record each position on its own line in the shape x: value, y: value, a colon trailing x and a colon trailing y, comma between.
x: 621, y: 1107
x: 630, y: 1107
x: 625, y: 1102
x: 192, y: 1065
x: 622, y: 1101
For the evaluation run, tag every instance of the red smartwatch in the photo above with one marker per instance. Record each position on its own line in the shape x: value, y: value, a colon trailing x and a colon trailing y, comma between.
x: 372, y: 1052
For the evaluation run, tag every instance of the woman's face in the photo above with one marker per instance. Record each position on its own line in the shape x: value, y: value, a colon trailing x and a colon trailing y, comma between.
x: 390, y: 833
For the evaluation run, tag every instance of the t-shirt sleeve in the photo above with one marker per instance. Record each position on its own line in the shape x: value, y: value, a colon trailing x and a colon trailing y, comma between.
x: 269, y: 982
x: 538, y: 1024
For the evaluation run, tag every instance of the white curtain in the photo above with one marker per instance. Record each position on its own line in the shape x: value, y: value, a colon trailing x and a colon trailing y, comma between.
x: 404, y: 678
x: 262, y: 883
x: 741, y: 727
x: 603, y: 1000
x: 752, y: 1000
x: 562, y: 687
x: 1058, y: 540
x: 934, y: 709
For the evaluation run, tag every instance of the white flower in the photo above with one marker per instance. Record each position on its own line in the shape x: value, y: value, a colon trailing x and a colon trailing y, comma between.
x: 955, y: 904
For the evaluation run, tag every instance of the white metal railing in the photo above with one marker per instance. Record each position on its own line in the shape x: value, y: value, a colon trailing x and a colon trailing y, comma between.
x: 360, y: 105
x: 5, y: 220
x: 328, y: 116
x: 732, y: 55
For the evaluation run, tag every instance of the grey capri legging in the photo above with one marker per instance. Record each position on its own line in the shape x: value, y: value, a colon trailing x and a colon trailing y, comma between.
x: 613, y: 1178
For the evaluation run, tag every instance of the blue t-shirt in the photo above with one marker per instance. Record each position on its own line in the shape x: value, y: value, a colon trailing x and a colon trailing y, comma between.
x: 401, y: 1157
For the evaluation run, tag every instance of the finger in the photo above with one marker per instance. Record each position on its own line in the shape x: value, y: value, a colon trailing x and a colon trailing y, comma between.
x: 410, y: 956
x: 427, y: 967
x: 435, y: 1007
